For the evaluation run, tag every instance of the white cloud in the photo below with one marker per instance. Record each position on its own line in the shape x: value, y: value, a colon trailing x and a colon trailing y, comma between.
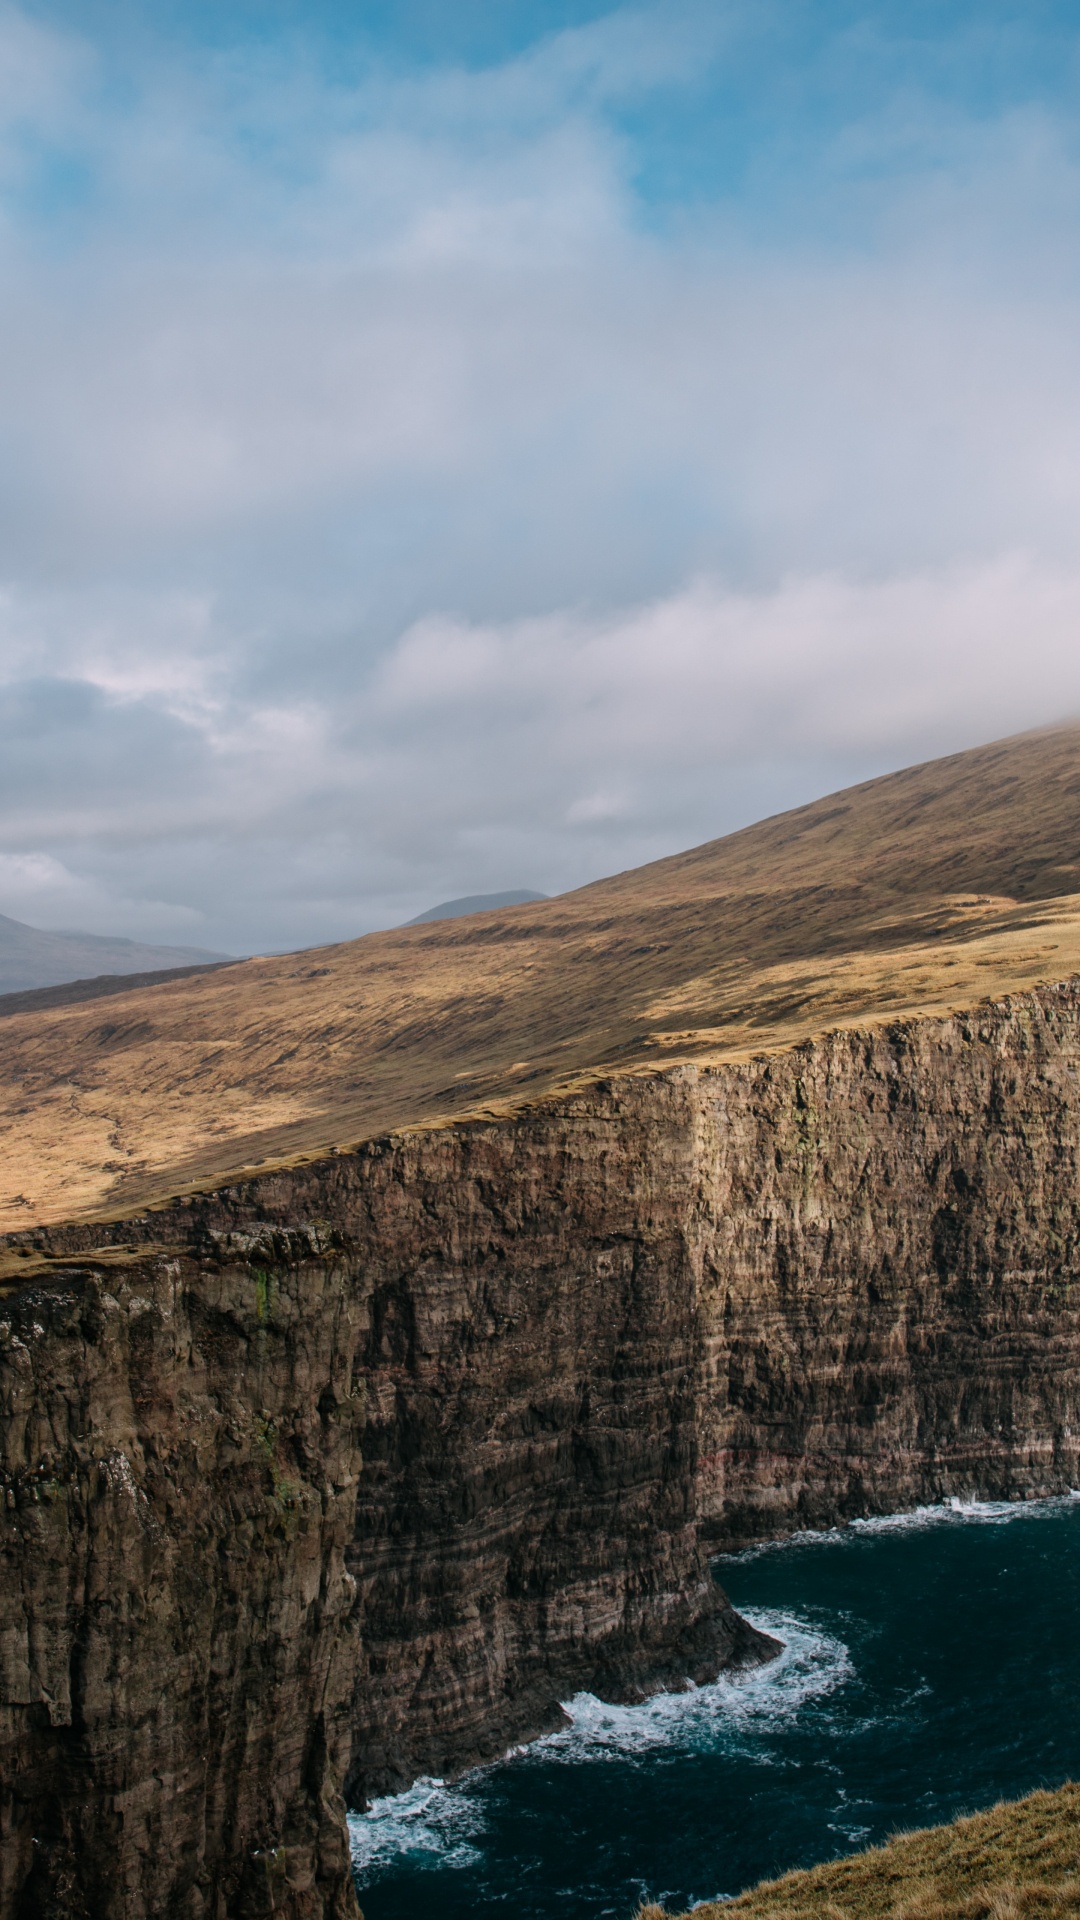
x: 41, y: 890
x: 36, y: 876
x: 392, y: 506
x: 545, y: 749
x: 572, y: 714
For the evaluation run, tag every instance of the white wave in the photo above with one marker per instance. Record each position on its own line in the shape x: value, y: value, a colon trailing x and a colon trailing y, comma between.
x: 732, y: 1712
x: 444, y: 1824
x: 983, y: 1511
x: 993, y: 1512
x: 429, y: 1820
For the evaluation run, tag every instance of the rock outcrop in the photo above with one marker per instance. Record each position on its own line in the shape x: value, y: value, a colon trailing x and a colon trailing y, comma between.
x: 178, y: 1632
x: 355, y: 1470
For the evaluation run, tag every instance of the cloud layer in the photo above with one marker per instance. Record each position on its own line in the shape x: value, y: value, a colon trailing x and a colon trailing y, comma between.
x: 403, y: 497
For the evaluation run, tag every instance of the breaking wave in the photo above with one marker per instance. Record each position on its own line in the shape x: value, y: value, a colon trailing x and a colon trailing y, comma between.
x: 943, y: 1513
x: 444, y: 1823
x: 730, y: 1713
x: 430, y: 1820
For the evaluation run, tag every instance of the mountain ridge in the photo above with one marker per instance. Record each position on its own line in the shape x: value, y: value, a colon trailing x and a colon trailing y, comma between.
x: 474, y: 903
x: 33, y: 958
x: 923, y: 890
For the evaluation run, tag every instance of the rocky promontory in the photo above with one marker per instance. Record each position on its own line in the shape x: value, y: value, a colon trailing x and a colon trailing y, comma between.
x: 354, y: 1469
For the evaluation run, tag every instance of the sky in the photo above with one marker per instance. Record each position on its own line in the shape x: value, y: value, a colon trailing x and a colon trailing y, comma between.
x: 449, y: 449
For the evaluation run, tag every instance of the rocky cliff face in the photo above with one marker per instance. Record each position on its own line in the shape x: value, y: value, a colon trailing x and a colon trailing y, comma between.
x: 177, y: 1626
x: 575, y: 1349
x: 888, y: 1238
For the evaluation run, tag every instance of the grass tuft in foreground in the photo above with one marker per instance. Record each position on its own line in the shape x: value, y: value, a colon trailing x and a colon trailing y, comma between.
x: 1019, y: 1861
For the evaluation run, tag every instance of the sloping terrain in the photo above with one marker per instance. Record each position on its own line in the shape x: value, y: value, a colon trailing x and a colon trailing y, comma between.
x: 30, y: 957
x: 925, y: 890
x: 1020, y: 1858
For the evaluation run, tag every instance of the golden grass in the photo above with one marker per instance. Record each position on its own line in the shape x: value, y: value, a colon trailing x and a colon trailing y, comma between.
x: 926, y: 890
x: 1020, y: 1859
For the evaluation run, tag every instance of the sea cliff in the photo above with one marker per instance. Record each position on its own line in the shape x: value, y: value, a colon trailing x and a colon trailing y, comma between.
x: 355, y: 1469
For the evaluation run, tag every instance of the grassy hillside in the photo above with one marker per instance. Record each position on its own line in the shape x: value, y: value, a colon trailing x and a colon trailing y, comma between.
x: 1021, y: 1859
x: 927, y: 889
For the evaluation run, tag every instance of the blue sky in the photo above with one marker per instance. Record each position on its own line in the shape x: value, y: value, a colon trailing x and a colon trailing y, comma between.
x: 791, y: 117
x: 445, y: 449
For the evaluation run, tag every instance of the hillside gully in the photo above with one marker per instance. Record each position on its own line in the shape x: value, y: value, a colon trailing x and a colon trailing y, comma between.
x: 354, y: 1471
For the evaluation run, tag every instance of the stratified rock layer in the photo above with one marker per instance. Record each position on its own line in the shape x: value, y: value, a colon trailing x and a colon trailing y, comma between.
x: 177, y: 1627
x: 577, y: 1348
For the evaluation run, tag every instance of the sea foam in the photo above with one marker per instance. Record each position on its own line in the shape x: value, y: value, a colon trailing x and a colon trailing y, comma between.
x: 428, y: 1819
x: 942, y: 1513
x: 445, y: 1822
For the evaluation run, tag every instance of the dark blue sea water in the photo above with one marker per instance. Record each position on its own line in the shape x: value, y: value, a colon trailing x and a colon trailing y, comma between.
x: 931, y: 1665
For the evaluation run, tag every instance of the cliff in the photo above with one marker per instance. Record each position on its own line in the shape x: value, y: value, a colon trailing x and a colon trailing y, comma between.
x: 178, y: 1638
x: 353, y: 1469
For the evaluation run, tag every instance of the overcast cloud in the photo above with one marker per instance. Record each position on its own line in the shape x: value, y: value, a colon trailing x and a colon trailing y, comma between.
x: 426, y: 475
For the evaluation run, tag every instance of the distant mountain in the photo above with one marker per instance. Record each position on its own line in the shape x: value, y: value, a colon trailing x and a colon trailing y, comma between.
x: 30, y: 957
x: 475, y: 903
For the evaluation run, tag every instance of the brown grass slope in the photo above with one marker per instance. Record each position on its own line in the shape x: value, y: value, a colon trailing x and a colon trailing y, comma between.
x: 1018, y: 1861
x: 930, y: 888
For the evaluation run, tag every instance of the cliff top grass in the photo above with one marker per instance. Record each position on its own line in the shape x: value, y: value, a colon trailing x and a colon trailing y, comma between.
x: 924, y: 891
x: 1020, y: 1859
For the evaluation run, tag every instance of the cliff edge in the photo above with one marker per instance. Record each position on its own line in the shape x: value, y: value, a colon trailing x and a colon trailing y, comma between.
x: 353, y: 1467
x: 923, y: 891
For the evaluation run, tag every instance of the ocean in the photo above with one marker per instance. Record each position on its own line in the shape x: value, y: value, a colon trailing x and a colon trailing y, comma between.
x: 931, y: 1665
